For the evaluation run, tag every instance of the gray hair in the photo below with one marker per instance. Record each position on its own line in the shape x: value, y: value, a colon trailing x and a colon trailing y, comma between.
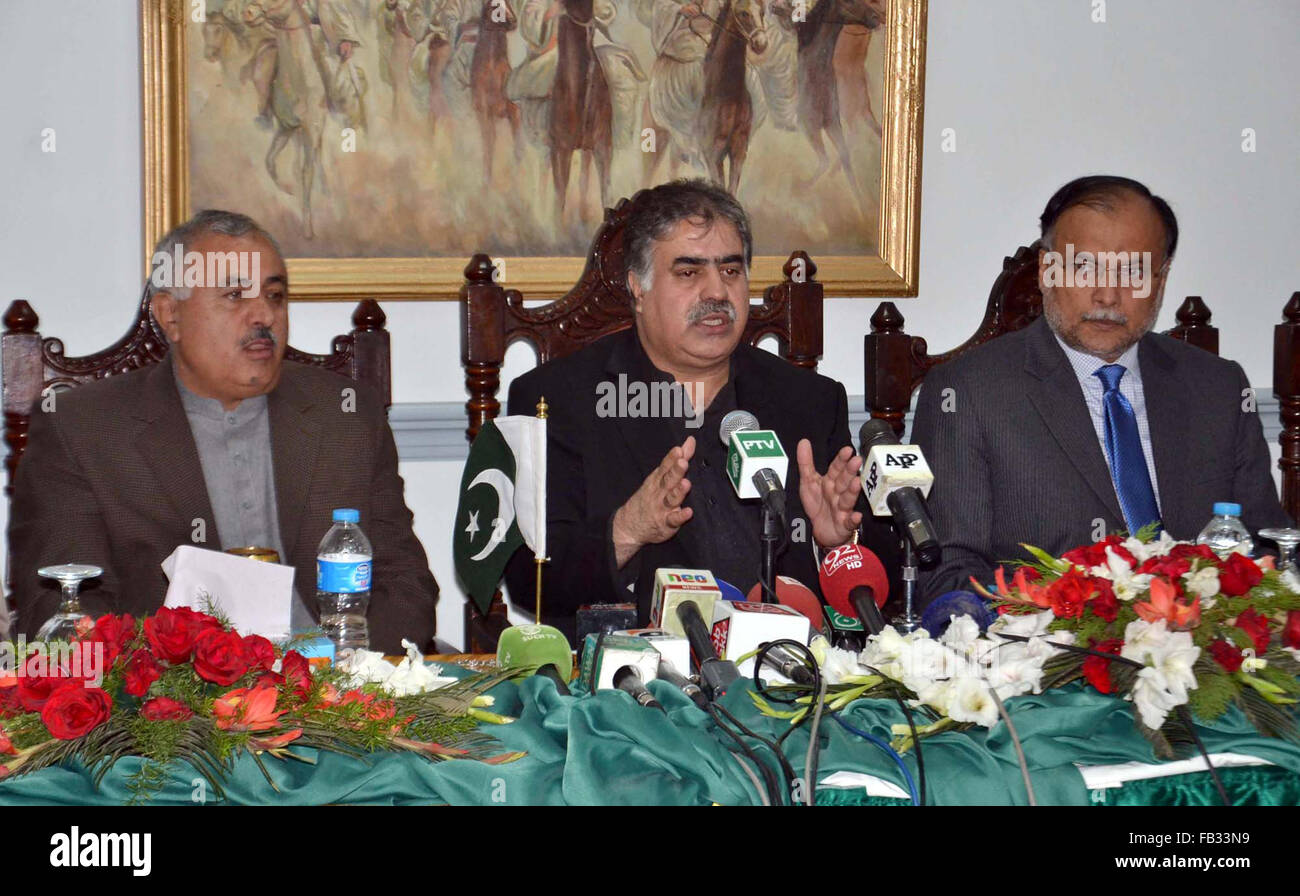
x: 657, y: 210
x: 209, y: 220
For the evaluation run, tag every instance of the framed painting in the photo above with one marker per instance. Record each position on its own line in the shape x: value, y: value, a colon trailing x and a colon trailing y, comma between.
x: 384, y: 142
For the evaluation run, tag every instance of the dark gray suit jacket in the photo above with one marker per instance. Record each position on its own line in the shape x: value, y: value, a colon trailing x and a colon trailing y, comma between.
x: 1016, y: 457
x: 112, y: 477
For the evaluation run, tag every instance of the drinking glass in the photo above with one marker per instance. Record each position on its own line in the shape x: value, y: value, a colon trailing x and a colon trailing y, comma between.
x: 62, y: 626
x: 1286, y: 539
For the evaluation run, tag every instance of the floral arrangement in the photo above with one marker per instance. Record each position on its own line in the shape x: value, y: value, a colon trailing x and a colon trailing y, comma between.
x: 182, y: 685
x: 1169, y: 625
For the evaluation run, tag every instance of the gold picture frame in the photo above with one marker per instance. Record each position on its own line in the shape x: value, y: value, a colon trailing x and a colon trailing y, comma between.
x: 892, y: 271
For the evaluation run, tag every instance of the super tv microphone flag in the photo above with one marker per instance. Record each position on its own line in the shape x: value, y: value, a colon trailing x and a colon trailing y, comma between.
x: 502, y: 503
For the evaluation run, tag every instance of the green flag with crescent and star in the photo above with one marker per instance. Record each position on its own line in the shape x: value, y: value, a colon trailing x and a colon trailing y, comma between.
x: 502, y: 503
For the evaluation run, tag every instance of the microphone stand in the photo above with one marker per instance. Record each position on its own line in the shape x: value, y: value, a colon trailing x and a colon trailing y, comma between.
x: 908, y: 621
x: 771, y: 539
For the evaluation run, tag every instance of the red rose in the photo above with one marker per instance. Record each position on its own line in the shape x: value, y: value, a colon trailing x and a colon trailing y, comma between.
x: 114, y: 632
x: 7, y: 747
x: 35, y: 691
x: 269, y: 679
x: 261, y: 655
x: 219, y: 656
x: 297, y: 673
x: 142, y: 670
x: 1096, y: 669
x: 1191, y: 551
x: 72, y: 712
x: 1290, y: 636
x: 1226, y: 655
x: 1238, y: 575
x: 1095, y: 553
x: 1069, y: 593
x: 1172, y: 567
x: 172, y: 630
x: 10, y: 705
x: 1104, y: 605
x: 165, y: 709
x: 1256, y: 626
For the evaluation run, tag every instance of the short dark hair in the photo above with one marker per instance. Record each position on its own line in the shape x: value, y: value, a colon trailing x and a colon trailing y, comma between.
x: 655, y: 211
x: 1100, y: 191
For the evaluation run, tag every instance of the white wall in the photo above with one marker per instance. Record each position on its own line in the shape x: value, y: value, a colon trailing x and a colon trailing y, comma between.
x: 1035, y: 91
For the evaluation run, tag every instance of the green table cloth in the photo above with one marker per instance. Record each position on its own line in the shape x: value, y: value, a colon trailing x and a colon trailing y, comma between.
x: 605, y: 749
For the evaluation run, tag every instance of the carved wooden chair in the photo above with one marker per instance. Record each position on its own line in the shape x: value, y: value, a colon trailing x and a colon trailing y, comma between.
x: 1286, y: 386
x: 492, y: 317
x: 34, y: 364
x: 896, y: 363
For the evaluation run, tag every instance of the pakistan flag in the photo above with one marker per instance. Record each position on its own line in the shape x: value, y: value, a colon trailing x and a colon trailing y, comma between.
x: 502, y: 503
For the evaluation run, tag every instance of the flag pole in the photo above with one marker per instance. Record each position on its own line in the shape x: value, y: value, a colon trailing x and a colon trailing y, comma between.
x: 542, y: 408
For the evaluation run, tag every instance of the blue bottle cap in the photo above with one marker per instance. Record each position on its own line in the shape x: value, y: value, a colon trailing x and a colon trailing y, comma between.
x: 1227, y: 508
x: 348, y: 515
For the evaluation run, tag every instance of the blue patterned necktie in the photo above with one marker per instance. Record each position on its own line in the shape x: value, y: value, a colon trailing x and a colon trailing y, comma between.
x: 1128, y: 465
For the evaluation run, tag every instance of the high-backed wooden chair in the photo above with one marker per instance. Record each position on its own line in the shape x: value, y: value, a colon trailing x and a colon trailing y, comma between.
x: 33, y: 364
x: 895, y: 363
x: 492, y: 317
x: 1286, y: 386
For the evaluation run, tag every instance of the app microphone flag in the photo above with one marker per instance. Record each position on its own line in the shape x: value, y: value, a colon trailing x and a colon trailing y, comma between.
x: 502, y: 503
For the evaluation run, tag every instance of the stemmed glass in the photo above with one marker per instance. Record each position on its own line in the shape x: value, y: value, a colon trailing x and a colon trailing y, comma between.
x: 1286, y: 539
x: 62, y: 626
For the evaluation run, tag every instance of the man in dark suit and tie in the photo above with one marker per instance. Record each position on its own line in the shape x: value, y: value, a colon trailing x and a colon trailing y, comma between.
x: 220, y: 445
x: 1085, y: 422
x: 634, y: 488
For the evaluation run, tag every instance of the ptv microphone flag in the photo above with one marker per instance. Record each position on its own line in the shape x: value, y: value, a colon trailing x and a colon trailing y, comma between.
x: 502, y: 503
x: 749, y: 451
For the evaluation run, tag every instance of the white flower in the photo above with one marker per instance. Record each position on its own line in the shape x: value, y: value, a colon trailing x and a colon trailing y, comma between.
x: 1142, y: 638
x: 1250, y: 664
x: 1014, y: 673
x: 961, y: 634
x: 1025, y: 626
x: 1204, y: 583
x: 970, y: 701
x: 410, y: 676
x: 936, y: 694
x: 836, y: 664
x: 1152, y: 697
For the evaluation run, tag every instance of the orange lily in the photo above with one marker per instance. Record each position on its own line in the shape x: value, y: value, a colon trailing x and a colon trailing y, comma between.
x: 275, y: 743
x: 1266, y: 562
x: 1164, y: 605
x: 1020, y: 591
x: 247, y: 709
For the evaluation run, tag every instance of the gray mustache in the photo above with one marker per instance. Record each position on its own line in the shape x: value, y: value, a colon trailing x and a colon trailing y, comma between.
x: 706, y: 307
x: 262, y: 332
x: 1114, y: 316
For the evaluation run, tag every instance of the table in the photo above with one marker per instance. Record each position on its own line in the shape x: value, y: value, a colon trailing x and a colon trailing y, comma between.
x: 605, y: 749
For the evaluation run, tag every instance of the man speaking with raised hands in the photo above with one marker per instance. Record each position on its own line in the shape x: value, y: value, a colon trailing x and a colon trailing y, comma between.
x: 636, y: 475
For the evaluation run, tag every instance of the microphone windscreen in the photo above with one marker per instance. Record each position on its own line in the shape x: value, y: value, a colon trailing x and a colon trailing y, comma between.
x: 524, y: 646
x: 938, y: 615
x: 797, y: 596
x: 847, y: 567
x: 729, y: 591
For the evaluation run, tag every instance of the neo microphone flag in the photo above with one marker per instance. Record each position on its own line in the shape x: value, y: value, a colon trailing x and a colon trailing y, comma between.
x: 502, y: 503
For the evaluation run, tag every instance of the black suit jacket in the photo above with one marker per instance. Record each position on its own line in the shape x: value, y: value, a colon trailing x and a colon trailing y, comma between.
x: 594, y: 464
x: 112, y: 477
x: 1016, y: 457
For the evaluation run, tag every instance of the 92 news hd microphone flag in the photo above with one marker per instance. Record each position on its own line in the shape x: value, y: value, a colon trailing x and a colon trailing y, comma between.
x: 502, y: 503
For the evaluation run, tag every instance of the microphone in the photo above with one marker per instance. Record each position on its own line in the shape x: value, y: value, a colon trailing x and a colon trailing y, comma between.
x: 628, y: 680
x: 854, y: 583
x: 784, y: 662
x: 534, y: 647
x: 668, y: 672
x: 756, y: 463
x: 896, y: 480
x: 561, y: 685
x: 715, y: 675
x: 938, y: 615
x: 797, y: 596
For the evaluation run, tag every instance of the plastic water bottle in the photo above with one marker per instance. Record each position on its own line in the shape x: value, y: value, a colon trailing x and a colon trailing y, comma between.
x: 1225, y: 533
x: 343, y: 568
